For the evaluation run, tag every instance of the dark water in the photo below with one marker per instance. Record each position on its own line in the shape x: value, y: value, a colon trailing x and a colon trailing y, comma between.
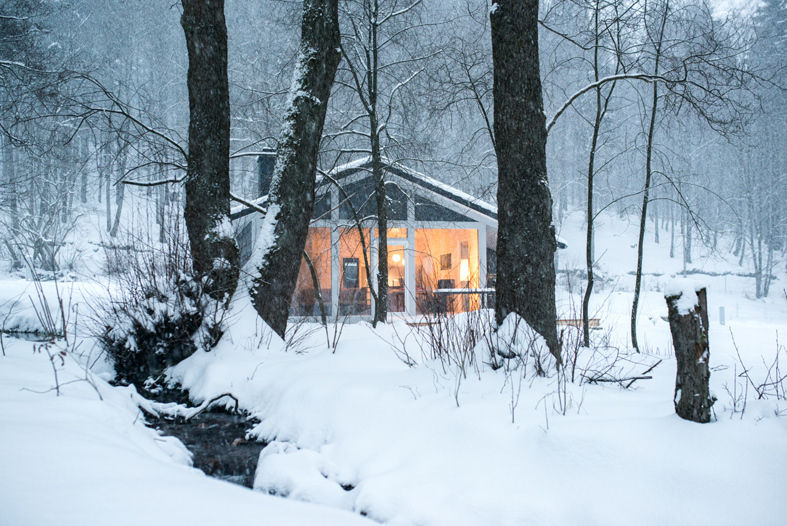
x: 217, y: 441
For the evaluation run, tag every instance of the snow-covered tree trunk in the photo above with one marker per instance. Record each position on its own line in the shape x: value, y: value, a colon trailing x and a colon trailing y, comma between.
x: 213, y: 247
x: 291, y: 201
x: 688, y: 319
x: 526, y: 237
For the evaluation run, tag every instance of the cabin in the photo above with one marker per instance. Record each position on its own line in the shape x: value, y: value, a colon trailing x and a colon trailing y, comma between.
x: 441, y: 244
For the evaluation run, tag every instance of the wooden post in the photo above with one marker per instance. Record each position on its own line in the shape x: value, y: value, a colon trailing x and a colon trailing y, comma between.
x: 689, y: 326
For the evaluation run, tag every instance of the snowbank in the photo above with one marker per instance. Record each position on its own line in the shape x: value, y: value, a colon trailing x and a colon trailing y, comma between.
x: 78, y: 460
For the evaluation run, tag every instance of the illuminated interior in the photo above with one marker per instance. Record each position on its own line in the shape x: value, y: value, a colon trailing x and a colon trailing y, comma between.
x: 446, y: 272
x: 394, y: 233
x: 304, y: 301
x: 446, y: 259
x: 354, y: 297
x: 396, y: 278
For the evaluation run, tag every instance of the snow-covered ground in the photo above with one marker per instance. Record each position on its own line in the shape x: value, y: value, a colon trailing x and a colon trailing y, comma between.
x: 357, y: 431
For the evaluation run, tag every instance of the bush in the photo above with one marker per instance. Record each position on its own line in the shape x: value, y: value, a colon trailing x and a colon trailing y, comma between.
x: 157, y: 315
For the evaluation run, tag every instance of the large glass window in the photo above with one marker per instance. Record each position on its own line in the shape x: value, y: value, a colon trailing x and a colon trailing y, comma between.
x: 304, y: 300
x: 446, y: 269
x: 396, y: 277
x: 354, y: 297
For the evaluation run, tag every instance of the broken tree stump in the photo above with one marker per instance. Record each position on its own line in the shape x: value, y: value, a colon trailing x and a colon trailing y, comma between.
x: 688, y: 321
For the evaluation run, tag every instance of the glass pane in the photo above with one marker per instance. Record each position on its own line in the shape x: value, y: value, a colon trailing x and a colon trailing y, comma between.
x: 396, y: 278
x: 354, y: 297
x: 394, y: 233
x: 446, y: 269
x: 305, y: 301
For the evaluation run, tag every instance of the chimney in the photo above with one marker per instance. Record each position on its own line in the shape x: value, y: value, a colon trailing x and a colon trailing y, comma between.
x: 265, y: 164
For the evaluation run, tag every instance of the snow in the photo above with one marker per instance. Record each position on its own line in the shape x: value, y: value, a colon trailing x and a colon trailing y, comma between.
x: 429, y: 442
x: 686, y: 291
x: 78, y: 460
x: 361, y: 418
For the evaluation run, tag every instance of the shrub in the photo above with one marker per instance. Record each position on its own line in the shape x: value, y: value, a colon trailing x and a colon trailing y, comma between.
x: 157, y: 314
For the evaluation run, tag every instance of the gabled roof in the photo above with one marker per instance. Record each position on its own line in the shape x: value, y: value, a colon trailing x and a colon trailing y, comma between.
x: 365, y: 164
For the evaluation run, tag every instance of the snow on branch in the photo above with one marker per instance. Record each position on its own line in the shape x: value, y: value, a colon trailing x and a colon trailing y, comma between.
x: 612, y: 78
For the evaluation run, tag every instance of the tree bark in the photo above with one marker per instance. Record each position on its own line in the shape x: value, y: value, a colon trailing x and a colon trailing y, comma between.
x: 526, y: 237
x: 213, y: 248
x: 690, y: 338
x: 292, y: 187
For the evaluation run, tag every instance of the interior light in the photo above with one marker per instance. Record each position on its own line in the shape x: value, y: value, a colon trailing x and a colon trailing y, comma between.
x: 396, y: 258
x: 464, y: 270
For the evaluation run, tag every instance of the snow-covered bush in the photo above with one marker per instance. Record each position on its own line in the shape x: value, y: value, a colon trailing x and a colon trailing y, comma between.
x: 514, y: 339
x: 157, y: 313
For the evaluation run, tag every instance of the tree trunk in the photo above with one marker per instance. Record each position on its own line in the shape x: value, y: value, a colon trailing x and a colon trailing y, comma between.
x: 83, y: 154
x: 120, y: 191
x: 108, y: 190
x: 526, y: 237
x: 292, y: 187
x: 689, y: 327
x: 213, y: 248
x: 381, y: 303
x: 648, y: 176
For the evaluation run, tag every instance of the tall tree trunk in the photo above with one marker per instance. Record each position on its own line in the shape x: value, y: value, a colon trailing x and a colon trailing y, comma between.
x: 687, y: 247
x: 9, y: 165
x: 526, y: 237
x: 108, y: 190
x: 601, y: 110
x: 292, y: 188
x: 83, y: 154
x: 120, y: 192
x: 648, y: 175
x: 213, y: 248
x: 381, y: 303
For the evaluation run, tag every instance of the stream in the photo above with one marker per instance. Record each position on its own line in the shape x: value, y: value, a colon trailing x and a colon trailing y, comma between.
x: 217, y: 441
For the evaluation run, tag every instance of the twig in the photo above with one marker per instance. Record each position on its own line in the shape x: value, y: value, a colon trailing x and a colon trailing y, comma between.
x: 633, y: 379
x: 649, y: 369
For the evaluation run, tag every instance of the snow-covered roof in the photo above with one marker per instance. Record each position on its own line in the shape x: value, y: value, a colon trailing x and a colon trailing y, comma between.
x: 413, y: 176
x: 430, y: 183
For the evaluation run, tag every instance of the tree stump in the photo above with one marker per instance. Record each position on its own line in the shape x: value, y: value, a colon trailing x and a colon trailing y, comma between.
x: 688, y: 320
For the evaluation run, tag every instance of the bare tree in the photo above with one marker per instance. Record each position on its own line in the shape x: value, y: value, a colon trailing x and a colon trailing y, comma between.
x: 697, y: 70
x: 292, y: 188
x: 378, y: 52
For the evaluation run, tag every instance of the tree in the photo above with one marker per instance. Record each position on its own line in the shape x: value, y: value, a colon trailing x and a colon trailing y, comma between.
x: 602, y: 100
x: 213, y: 247
x: 657, y: 42
x: 378, y: 51
x: 291, y: 201
x: 526, y: 237
x: 697, y: 70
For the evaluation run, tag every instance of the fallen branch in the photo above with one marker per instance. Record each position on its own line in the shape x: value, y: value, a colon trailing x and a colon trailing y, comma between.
x: 207, y: 404
x: 632, y: 379
x: 649, y: 369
